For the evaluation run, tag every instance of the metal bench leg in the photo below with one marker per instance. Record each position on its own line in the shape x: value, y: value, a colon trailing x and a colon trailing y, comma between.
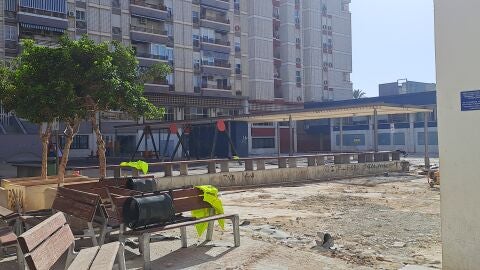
x: 146, y: 250
x: 121, y: 250
x: 236, y: 230
x: 70, y: 256
x: 103, y: 233
x: 183, y: 236
x: 20, y: 258
x: 91, y: 233
x: 210, y: 226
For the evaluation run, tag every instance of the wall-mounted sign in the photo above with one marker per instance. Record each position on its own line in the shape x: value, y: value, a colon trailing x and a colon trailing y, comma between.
x: 470, y: 100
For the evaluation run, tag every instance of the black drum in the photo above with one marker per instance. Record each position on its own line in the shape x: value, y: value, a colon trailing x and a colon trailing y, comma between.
x: 149, y: 210
x: 142, y: 184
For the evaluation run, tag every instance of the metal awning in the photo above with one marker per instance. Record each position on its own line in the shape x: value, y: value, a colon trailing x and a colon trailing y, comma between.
x: 333, y: 112
x: 300, y: 115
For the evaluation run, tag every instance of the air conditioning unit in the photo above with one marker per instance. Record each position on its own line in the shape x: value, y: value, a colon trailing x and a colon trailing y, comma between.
x: 142, y: 20
x: 71, y: 13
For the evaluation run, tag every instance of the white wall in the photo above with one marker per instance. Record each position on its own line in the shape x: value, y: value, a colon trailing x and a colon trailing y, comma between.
x: 458, y: 56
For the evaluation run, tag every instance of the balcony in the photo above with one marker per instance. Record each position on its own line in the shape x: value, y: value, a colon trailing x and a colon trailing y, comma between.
x: 151, y: 35
x: 216, y: 22
x: 216, y: 90
x: 219, y: 67
x: 55, y: 21
x: 159, y: 12
x: 159, y: 86
x: 148, y: 59
x: 221, y: 4
x: 218, y: 45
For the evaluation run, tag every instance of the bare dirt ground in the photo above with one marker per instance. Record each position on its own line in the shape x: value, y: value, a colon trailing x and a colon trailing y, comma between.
x: 376, y: 222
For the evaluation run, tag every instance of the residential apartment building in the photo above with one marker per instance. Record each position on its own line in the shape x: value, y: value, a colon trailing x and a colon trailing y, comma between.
x: 227, y: 56
x: 311, y: 60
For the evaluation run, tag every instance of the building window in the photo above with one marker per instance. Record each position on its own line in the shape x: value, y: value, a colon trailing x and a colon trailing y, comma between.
x: 351, y: 139
x: 399, y: 138
x: 237, y: 44
x: 236, y: 5
x: 169, y: 115
x: 384, y: 139
x: 80, y: 15
x: 432, y: 138
x: 299, y: 76
x: 79, y: 142
x: 238, y: 66
x: 193, y: 113
x: 259, y: 143
x: 11, y: 33
x: 195, y: 17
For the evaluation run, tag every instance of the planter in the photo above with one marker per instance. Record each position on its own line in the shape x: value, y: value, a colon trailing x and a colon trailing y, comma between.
x: 27, y: 194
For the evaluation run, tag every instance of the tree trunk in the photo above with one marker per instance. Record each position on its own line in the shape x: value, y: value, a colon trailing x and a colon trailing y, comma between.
x: 44, y: 136
x: 72, y: 130
x: 102, y: 160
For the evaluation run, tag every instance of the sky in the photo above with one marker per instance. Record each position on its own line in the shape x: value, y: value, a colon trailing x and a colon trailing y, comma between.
x: 392, y: 39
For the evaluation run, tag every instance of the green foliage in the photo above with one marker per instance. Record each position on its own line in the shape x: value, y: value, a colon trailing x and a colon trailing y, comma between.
x: 35, y: 86
x: 106, y: 77
x: 358, y: 93
x: 76, y: 79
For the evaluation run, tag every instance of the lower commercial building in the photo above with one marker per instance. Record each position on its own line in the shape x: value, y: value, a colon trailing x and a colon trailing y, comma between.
x: 395, y: 132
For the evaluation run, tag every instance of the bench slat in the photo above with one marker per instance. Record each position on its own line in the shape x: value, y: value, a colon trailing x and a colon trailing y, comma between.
x: 84, y: 259
x: 7, y: 237
x: 105, y: 257
x: 50, y: 251
x: 188, y: 204
x: 74, y: 208
x: 77, y: 195
x: 183, y: 193
x: 178, y: 225
x: 36, y: 235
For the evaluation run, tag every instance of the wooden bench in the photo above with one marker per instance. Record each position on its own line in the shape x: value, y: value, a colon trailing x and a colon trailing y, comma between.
x: 44, y: 244
x: 86, y: 207
x: 184, y: 200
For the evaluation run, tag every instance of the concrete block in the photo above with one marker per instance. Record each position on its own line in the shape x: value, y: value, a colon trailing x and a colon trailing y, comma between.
x: 248, y: 165
x: 260, y: 165
x: 311, y: 161
x: 212, y: 167
x: 320, y: 160
x: 224, y: 166
x: 282, y: 163
x: 341, y: 159
x: 292, y: 162
x: 168, y: 169
x: 378, y: 157
x: 183, y: 169
x: 117, y: 172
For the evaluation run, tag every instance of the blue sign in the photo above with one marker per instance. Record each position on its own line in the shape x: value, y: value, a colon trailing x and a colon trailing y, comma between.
x: 470, y: 100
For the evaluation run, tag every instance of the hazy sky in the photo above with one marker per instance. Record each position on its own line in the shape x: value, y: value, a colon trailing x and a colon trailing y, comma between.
x: 392, y: 39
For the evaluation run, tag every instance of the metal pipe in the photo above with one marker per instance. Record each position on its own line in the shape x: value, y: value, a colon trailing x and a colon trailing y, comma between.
x: 278, y: 138
x: 341, y: 135
x: 425, y: 126
x: 375, y: 130
x: 290, y: 126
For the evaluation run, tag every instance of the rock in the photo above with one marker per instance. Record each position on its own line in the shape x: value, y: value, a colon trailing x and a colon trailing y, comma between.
x: 380, y: 258
x: 367, y: 234
x: 399, y: 244
x: 245, y: 223
x: 327, y: 241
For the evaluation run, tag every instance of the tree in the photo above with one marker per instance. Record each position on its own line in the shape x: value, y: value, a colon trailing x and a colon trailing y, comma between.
x: 34, y: 87
x: 358, y: 93
x: 106, y: 77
